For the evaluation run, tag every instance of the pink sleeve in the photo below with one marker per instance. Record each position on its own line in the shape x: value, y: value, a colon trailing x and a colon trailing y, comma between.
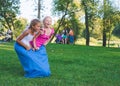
x: 52, y: 32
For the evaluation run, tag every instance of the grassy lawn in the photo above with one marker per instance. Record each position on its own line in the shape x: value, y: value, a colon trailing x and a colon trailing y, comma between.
x: 71, y: 65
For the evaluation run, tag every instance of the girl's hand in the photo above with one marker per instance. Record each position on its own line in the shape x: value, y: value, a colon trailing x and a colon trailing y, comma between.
x: 36, y: 48
x: 44, y: 44
x: 33, y: 49
x: 28, y: 48
x: 41, y: 31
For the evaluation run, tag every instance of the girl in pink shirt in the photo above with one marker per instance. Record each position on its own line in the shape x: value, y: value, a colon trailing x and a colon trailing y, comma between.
x: 44, y: 35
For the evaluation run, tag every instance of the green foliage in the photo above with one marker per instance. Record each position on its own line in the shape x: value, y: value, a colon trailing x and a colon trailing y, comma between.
x: 71, y: 65
x: 8, y: 11
x: 70, y: 10
x: 20, y: 25
x: 90, y: 10
x: 9, y: 6
x: 116, y: 23
x: 60, y: 5
x: 102, y: 16
x: 116, y: 31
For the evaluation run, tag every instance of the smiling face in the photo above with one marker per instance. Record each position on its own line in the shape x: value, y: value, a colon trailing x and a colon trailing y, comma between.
x: 36, y: 27
x: 47, y: 22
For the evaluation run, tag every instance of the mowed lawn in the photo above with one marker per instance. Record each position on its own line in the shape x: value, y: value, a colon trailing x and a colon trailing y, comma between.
x: 71, y: 65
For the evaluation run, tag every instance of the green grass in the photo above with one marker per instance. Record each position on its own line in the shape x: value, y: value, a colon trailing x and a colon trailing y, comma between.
x: 71, y: 65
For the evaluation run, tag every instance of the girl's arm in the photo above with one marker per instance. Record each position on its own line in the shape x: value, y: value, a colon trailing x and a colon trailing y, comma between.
x: 46, y: 42
x: 49, y: 38
x: 34, y: 40
x: 25, y: 33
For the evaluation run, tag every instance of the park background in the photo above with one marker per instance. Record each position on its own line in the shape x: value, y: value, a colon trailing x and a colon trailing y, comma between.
x: 93, y: 60
x: 95, y: 23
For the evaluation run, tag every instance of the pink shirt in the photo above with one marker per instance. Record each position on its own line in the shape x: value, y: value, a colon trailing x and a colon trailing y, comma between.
x: 42, y: 38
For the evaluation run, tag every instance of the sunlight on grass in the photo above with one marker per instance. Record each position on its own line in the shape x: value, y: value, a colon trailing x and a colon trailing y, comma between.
x: 71, y: 65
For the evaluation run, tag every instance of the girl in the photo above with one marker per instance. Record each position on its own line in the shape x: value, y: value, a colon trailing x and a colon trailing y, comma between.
x: 34, y: 63
x: 39, y: 41
x: 44, y: 35
x: 25, y: 38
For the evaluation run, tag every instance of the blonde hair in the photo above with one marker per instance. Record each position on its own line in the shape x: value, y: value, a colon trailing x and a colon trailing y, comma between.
x: 46, y: 18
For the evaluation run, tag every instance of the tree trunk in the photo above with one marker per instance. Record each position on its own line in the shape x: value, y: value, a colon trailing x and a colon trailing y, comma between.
x: 87, y: 28
x: 39, y: 8
x: 104, y: 24
x: 61, y: 21
x: 104, y: 38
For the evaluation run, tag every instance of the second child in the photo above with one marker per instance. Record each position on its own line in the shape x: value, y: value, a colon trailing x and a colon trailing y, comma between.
x: 44, y: 35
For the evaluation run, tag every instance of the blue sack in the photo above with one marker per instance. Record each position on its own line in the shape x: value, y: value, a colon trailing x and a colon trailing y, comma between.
x: 34, y: 63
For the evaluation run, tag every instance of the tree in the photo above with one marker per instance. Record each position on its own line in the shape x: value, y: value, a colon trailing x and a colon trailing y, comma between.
x: 20, y: 25
x: 61, y: 7
x: 8, y: 11
x: 38, y: 7
x: 68, y: 12
x: 108, y: 23
x: 116, y: 21
x: 90, y: 8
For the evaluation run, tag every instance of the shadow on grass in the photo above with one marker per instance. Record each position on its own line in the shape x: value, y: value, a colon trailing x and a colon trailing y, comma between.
x: 11, y: 70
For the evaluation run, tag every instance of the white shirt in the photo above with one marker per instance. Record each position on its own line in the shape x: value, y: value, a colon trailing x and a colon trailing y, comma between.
x: 26, y: 40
